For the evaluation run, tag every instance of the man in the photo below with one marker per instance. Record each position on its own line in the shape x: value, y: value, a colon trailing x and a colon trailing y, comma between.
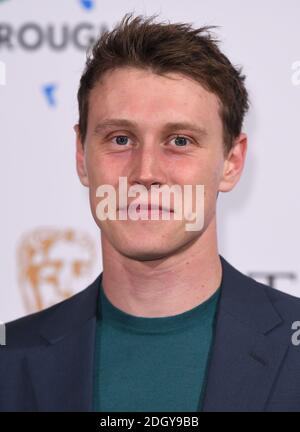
x: 169, y: 325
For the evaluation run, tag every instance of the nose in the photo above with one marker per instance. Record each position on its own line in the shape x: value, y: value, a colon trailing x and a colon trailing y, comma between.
x: 147, y: 167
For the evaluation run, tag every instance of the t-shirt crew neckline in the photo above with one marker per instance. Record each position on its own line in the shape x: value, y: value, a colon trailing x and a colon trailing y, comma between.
x: 116, y: 317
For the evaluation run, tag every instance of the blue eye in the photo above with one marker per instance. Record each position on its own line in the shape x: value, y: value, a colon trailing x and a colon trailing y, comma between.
x: 121, y: 139
x: 180, y: 140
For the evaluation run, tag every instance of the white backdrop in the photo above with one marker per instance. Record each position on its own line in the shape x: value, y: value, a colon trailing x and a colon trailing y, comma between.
x: 45, y: 215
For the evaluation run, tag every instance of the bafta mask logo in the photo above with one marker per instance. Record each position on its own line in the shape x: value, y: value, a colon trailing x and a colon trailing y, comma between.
x: 53, y: 265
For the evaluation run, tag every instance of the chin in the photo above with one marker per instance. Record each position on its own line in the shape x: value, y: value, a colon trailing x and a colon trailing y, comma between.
x: 140, y: 250
x: 144, y: 255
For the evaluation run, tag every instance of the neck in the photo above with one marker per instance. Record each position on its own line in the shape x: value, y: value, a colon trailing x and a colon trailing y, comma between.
x: 167, y: 286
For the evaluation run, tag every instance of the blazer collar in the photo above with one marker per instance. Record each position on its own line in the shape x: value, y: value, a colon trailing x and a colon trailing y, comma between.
x: 246, y: 300
x: 247, y: 350
x: 61, y: 370
x: 72, y: 313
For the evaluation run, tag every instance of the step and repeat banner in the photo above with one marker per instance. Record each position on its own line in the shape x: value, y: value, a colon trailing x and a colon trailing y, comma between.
x: 50, y: 245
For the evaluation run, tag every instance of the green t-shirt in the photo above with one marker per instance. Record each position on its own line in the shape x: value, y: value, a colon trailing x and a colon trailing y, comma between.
x: 152, y: 364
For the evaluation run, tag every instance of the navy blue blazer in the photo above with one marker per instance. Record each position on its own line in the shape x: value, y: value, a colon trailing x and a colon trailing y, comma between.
x: 48, y: 362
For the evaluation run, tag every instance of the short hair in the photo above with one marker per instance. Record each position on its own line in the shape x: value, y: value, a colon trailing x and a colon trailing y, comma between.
x: 163, y: 48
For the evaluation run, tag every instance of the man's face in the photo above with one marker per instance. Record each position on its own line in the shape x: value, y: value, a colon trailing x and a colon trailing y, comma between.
x: 147, y: 152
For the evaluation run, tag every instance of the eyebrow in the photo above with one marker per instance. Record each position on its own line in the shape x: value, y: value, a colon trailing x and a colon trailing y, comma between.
x: 107, y: 123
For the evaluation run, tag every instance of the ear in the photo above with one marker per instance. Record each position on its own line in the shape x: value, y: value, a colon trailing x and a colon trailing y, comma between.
x: 80, y: 158
x: 234, y: 163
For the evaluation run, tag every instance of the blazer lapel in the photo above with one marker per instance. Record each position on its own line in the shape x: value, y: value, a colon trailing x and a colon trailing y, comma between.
x: 61, y: 369
x: 246, y: 354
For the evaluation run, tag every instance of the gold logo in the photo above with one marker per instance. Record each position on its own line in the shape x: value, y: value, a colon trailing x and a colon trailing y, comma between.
x: 53, y: 265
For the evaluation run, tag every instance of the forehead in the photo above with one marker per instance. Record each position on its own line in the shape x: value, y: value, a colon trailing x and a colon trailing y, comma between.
x: 143, y: 95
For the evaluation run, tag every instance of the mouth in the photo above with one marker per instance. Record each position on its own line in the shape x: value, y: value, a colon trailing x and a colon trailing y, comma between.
x: 149, y: 208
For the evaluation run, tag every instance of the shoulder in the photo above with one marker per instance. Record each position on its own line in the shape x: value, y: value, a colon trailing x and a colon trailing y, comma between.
x: 253, y: 297
x: 26, y: 331
x: 287, y: 304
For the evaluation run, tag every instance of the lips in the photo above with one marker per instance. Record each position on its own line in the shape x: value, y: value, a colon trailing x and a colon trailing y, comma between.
x: 149, y: 207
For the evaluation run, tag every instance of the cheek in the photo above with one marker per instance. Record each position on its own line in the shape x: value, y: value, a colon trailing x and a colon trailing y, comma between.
x: 101, y: 170
x: 201, y: 172
x: 193, y: 172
